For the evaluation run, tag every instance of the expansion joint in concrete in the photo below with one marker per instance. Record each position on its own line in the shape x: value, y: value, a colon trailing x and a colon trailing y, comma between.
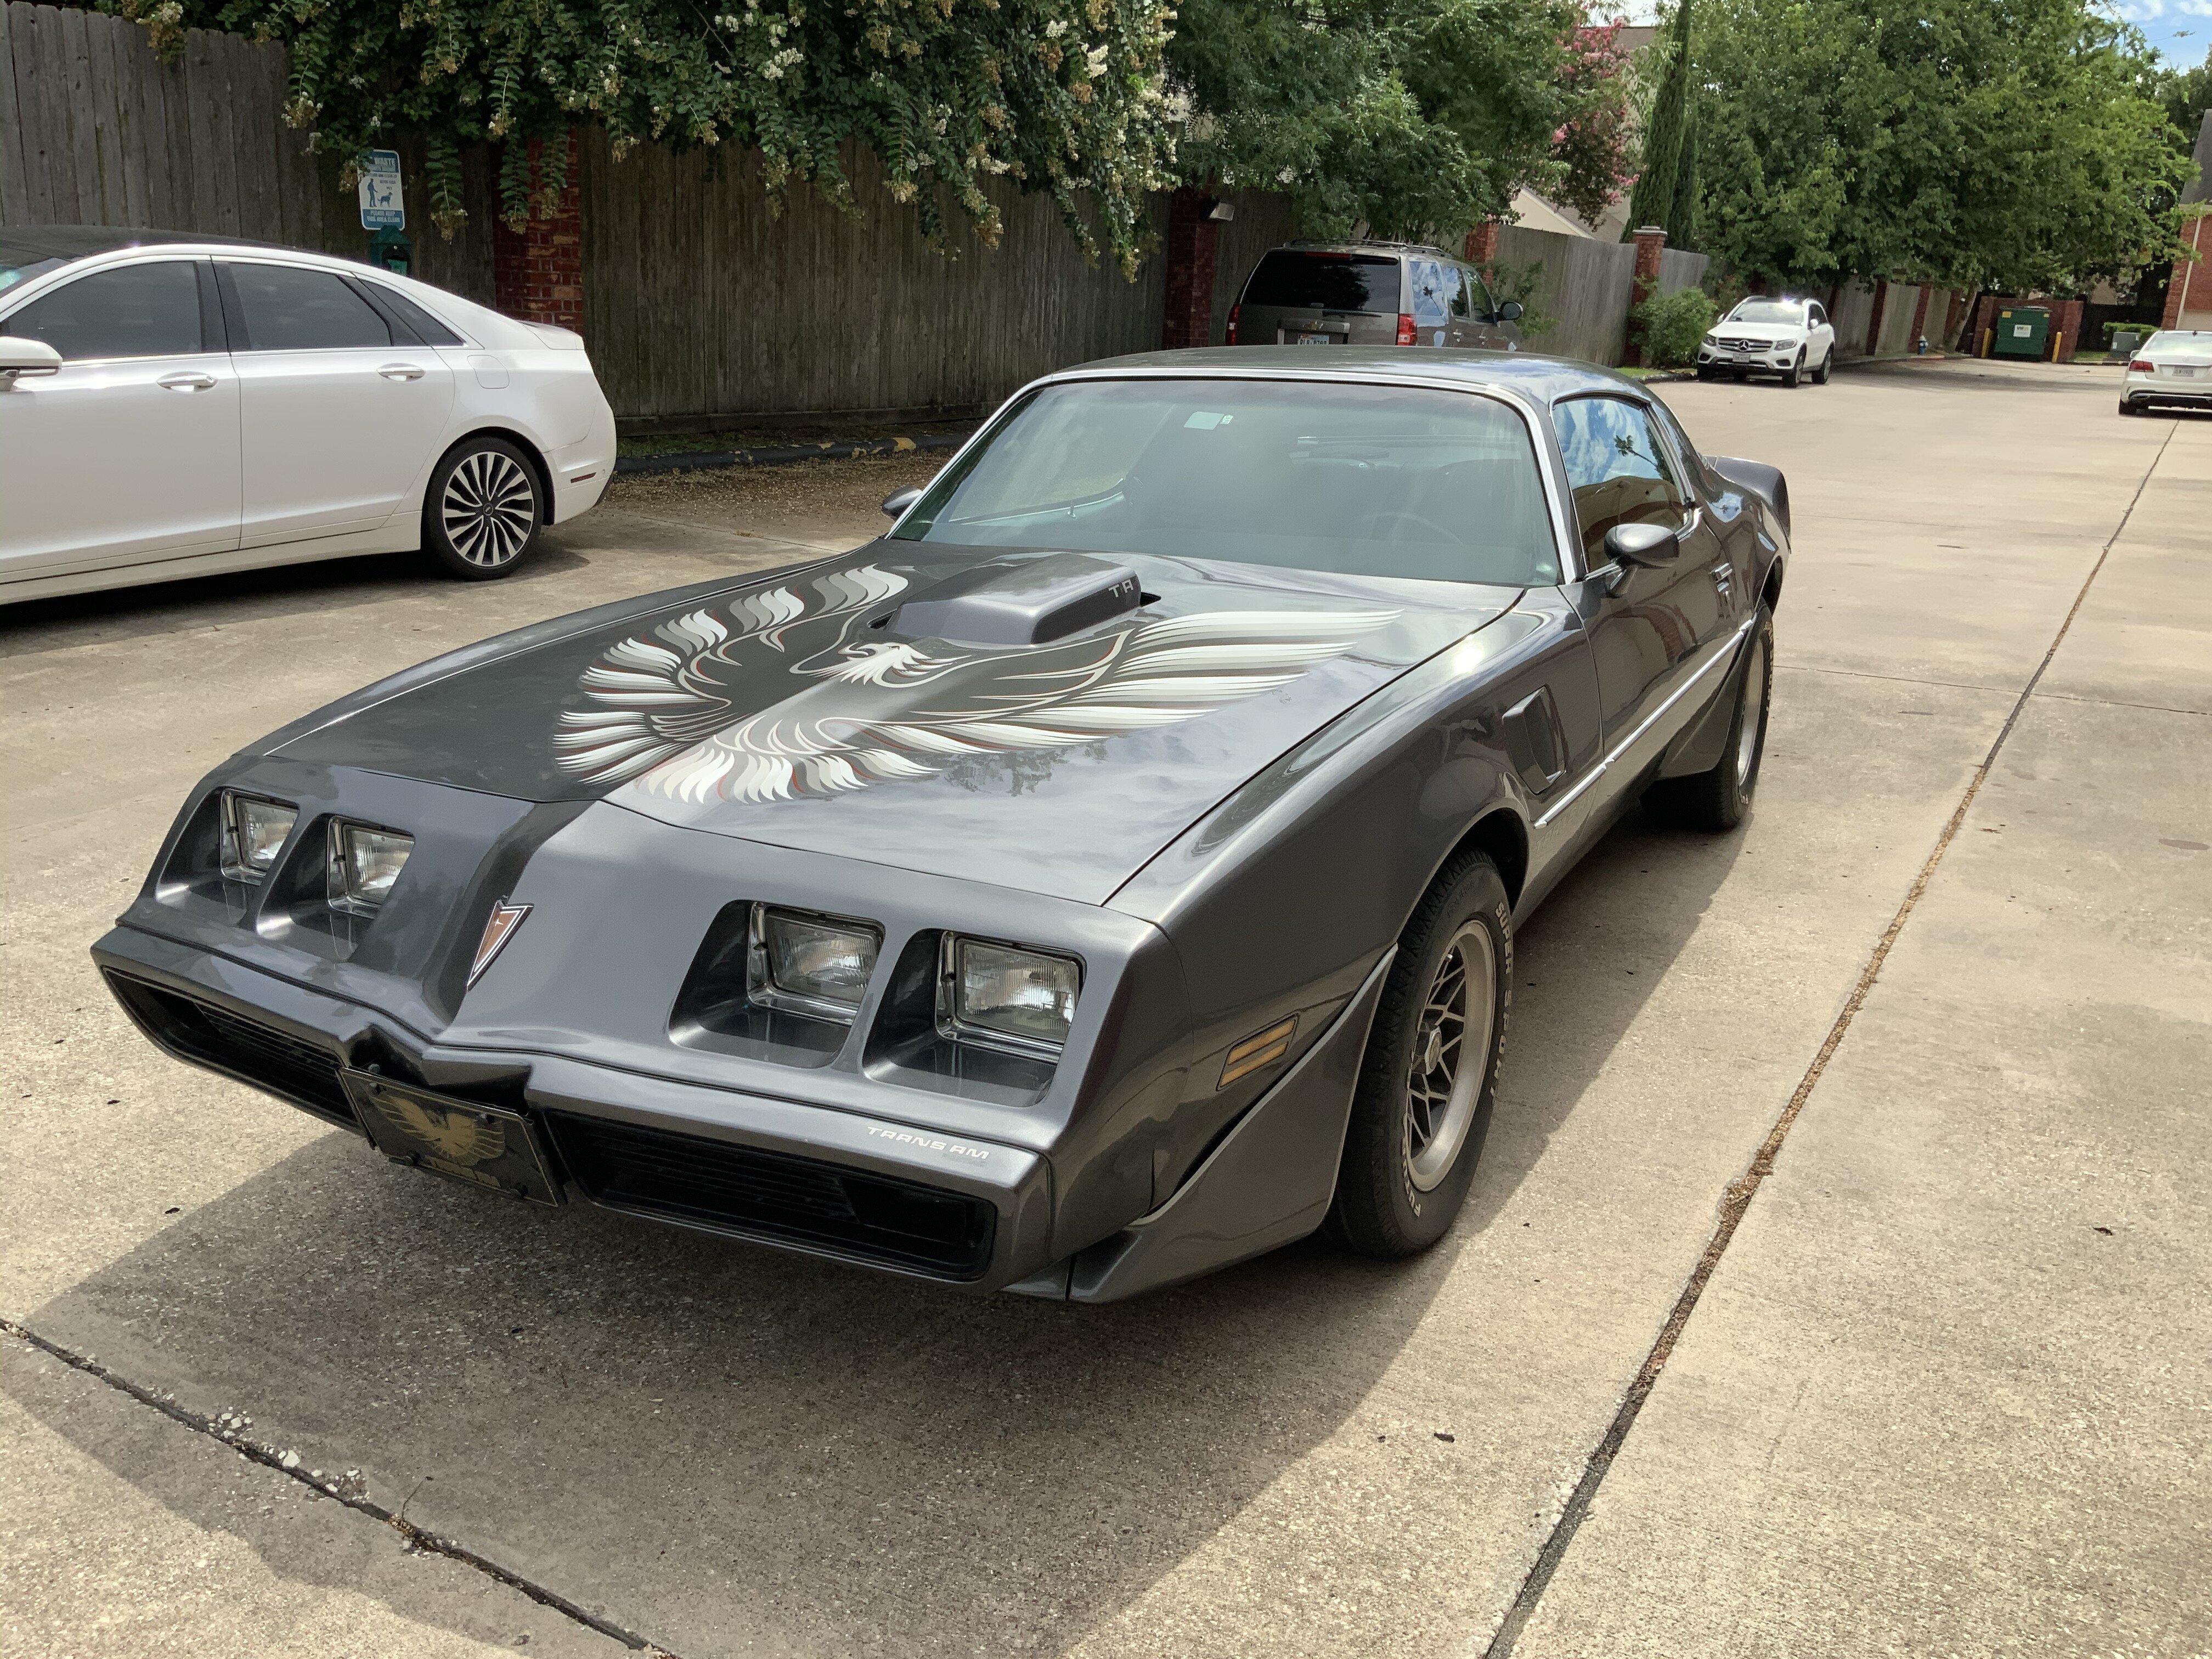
x: 1735, y: 1201
x: 418, y: 1539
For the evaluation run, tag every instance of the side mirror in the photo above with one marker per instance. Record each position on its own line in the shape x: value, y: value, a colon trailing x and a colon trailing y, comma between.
x: 1510, y: 312
x: 22, y: 357
x: 899, y: 499
x: 1648, y: 544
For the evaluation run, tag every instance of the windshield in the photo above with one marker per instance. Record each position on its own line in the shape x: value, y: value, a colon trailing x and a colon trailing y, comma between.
x: 1364, y: 480
x: 1786, y: 313
x: 1334, y: 282
x: 2191, y: 346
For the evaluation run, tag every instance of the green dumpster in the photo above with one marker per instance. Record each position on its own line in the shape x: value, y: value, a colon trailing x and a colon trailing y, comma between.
x: 2022, y: 331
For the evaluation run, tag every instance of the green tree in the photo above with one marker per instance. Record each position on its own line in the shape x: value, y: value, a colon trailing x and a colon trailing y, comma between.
x: 2016, y: 146
x: 1681, y: 221
x: 1067, y: 96
x: 1653, y: 201
x: 1408, y: 118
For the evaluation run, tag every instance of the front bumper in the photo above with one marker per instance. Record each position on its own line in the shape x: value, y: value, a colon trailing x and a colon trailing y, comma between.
x: 823, y: 1182
x: 1747, y: 362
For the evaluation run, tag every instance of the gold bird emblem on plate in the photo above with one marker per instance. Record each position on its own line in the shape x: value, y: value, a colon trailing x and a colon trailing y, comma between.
x: 461, y: 1136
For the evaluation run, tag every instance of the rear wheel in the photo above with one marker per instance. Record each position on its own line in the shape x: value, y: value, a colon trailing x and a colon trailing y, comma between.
x: 1718, y: 798
x: 1424, y: 1102
x: 482, y: 510
x: 2127, y: 407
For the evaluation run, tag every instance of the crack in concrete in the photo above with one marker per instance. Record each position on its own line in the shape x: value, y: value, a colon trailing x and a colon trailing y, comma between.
x: 418, y: 1539
x: 1735, y: 1201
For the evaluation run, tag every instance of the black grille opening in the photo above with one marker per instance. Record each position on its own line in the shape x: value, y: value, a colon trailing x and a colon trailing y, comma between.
x: 245, y: 1048
x: 744, y: 1189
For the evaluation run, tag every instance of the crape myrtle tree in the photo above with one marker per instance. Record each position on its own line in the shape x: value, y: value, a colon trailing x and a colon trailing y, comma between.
x: 2015, y: 145
x: 1067, y: 96
x: 1595, y: 145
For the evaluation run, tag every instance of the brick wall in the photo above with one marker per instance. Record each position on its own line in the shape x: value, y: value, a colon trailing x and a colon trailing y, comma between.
x: 1193, y: 241
x: 2191, y: 289
x: 537, y: 273
x: 1651, y: 250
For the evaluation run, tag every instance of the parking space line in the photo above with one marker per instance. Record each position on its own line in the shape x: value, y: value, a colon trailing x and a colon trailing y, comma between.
x: 1736, y: 1199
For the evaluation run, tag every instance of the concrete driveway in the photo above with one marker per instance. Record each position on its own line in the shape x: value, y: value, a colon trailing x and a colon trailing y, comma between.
x: 1940, y: 1383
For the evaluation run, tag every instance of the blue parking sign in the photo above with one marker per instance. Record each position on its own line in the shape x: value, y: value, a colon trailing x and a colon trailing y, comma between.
x: 383, y: 207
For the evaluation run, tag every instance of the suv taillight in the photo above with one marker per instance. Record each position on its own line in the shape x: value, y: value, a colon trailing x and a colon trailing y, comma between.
x: 1405, y: 328
x: 1233, y: 310
x: 2143, y: 365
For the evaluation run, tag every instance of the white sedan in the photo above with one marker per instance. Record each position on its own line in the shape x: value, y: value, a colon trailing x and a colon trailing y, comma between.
x: 2172, y: 369
x: 175, y: 405
x: 1790, y: 337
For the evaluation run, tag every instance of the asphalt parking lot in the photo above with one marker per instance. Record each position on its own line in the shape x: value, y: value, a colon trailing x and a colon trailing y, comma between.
x: 1947, y: 1390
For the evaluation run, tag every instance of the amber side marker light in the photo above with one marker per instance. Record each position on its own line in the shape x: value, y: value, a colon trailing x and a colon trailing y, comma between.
x: 1261, y: 1048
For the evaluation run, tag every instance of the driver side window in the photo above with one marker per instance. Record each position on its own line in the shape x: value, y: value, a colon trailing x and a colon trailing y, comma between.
x: 1616, y: 469
x: 1815, y: 316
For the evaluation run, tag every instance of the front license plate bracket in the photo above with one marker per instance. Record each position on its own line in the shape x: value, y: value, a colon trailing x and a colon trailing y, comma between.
x: 492, y: 1147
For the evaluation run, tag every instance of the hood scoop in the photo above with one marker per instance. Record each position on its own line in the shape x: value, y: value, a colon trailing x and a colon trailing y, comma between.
x: 1031, y: 602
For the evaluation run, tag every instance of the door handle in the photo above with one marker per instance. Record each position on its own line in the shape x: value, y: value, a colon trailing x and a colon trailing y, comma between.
x: 186, y: 381
x: 1724, y: 577
x: 400, y: 372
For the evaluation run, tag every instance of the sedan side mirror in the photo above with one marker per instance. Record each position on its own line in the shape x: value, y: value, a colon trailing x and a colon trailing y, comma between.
x: 899, y: 499
x: 1648, y: 544
x: 1510, y: 312
x: 22, y: 357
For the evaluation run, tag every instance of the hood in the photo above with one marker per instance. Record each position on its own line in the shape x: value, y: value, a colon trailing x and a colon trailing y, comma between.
x: 824, y: 708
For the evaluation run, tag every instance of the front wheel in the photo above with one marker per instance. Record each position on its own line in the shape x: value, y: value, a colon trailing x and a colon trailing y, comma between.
x: 1820, y: 374
x: 482, y: 510
x: 1795, y: 375
x: 1424, y: 1101
x: 1719, y: 797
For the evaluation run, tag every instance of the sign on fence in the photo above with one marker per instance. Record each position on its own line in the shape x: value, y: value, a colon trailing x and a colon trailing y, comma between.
x: 382, y: 205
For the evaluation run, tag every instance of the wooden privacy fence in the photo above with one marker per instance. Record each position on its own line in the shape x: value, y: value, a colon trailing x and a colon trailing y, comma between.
x: 1589, y: 287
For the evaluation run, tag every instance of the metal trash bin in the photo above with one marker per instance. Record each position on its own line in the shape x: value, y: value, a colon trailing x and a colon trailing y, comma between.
x: 2022, y: 331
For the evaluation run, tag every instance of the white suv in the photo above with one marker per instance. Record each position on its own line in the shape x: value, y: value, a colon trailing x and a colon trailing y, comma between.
x: 2172, y: 369
x: 175, y: 405
x: 1790, y: 337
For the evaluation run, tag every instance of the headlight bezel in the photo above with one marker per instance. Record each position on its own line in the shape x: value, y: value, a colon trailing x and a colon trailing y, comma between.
x: 765, y: 990
x: 231, y: 861
x: 957, y: 1021
x: 343, y: 892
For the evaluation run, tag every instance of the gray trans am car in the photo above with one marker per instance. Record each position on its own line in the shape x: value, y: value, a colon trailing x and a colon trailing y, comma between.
x: 1108, y: 874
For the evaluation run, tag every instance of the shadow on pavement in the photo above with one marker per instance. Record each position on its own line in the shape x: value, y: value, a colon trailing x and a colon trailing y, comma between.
x: 733, y: 1451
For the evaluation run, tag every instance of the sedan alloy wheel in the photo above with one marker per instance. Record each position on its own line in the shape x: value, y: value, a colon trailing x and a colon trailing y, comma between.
x: 484, y: 509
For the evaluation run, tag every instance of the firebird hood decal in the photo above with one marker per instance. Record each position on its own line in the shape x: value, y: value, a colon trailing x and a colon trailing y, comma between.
x: 881, y: 712
x: 789, y: 709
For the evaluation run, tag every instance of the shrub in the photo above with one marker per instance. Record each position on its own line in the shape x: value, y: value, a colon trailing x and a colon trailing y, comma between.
x: 1673, y: 323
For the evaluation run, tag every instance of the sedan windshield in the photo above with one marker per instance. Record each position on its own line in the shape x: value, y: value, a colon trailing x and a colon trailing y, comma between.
x: 2192, y: 346
x: 1787, y: 313
x: 1364, y: 480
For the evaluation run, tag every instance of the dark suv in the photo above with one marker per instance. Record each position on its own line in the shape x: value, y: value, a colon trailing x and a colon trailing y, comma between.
x: 1370, y: 294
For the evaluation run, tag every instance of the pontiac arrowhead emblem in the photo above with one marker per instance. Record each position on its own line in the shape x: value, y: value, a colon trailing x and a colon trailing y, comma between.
x: 499, y: 928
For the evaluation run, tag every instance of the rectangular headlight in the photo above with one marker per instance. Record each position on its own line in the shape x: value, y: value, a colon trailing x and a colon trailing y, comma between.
x: 811, y: 964
x: 1024, y: 997
x: 253, y: 832
x: 364, y: 863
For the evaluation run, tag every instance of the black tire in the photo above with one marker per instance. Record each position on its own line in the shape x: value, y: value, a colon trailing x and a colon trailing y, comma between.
x: 1820, y: 374
x: 1704, y: 373
x: 1719, y: 799
x: 2127, y: 407
x: 484, y: 509
x: 1794, y: 376
x: 1405, y: 1170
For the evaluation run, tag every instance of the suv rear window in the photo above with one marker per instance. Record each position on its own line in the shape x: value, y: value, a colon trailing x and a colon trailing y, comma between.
x: 1334, y: 282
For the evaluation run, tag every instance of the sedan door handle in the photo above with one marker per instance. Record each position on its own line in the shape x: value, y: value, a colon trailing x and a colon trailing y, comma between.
x: 188, y: 380
x: 400, y: 372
